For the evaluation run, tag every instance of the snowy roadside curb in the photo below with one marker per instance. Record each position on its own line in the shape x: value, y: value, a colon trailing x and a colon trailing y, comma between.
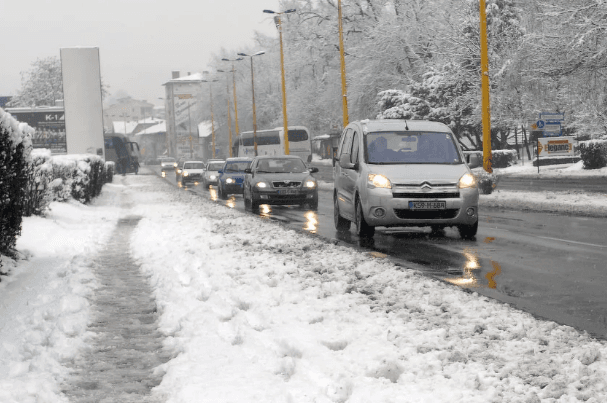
x: 257, y: 312
x: 570, y: 203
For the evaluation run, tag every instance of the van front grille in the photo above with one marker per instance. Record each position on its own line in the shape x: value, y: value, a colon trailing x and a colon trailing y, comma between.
x: 406, y: 214
x: 441, y: 195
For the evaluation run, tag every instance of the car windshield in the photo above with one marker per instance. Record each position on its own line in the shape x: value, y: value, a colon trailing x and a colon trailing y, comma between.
x: 168, y: 160
x: 193, y: 165
x: 281, y: 165
x: 239, y: 166
x: 411, y: 148
x: 215, y: 166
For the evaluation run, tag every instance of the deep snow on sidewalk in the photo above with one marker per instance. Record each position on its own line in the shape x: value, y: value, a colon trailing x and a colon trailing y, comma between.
x: 255, y: 312
x: 262, y: 313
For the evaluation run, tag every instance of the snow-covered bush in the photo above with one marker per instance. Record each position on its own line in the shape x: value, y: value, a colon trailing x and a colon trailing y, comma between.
x: 77, y: 176
x: 593, y: 153
x: 503, y: 158
x: 109, y: 169
x: 39, y: 176
x: 486, y: 181
x: 15, y: 148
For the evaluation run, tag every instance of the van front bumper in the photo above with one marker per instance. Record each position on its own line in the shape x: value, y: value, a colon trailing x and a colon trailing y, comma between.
x: 382, y: 208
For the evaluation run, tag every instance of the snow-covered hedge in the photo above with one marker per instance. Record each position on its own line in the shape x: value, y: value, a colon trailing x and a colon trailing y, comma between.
x: 503, y: 158
x: 110, y: 168
x: 39, y: 173
x: 15, y: 146
x: 593, y: 153
x: 77, y: 176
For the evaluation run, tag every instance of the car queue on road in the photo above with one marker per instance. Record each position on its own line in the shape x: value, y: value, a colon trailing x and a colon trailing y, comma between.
x: 386, y: 173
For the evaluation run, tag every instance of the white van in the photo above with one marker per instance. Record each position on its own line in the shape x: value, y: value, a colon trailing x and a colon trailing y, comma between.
x: 399, y: 173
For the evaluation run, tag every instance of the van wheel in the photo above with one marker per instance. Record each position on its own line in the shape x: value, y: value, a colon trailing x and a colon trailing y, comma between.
x: 468, y: 231
x: 363, y: 229
x: 341, y: 224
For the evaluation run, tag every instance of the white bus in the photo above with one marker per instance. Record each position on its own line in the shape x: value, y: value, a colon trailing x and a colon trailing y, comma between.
x: 272, y: 142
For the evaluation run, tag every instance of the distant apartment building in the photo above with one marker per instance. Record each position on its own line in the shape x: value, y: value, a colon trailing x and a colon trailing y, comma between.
x: 127, y: 110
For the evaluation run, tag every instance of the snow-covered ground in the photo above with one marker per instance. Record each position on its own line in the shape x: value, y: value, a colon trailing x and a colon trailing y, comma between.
x: 255, y: 312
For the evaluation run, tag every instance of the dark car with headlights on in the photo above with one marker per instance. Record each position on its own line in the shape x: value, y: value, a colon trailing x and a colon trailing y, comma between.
x: 280, y: 180
x: 231, y: 176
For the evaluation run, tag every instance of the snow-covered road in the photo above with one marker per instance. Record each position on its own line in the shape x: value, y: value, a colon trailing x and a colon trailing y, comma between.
x: 252, y: 311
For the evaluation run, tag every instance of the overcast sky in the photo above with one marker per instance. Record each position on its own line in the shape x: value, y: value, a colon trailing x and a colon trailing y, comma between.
x: 140, y: 41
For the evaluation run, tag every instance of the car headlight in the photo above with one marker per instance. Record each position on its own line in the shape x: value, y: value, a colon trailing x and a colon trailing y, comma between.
x: 467, y: 181
x: 229, y: 180
x: 175, y: 165
x: 261, y: 185
x: 185, y: 173
x: 379, y: 181
x: 179, y: 171
x: 164, y: 174
x: 310, y: 184
x: 212, y: 177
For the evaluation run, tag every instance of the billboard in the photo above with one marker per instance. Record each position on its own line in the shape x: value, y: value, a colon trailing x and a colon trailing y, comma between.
x: 555, y: 146
x: 49, y: 126
x: 82, y: 100
x: 185, y: 96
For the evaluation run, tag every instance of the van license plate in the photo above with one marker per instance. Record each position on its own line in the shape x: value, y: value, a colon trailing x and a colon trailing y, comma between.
x: 427, y: 205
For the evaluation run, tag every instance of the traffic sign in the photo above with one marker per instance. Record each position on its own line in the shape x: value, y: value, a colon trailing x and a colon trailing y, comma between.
x: 539, y: 124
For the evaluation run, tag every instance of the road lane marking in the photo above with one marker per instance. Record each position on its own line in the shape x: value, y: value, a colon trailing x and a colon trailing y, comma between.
x: 575, y: 242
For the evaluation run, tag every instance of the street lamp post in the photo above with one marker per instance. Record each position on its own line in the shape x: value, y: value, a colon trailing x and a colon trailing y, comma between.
x: 235, y: 101
x: 253, y: 93
x: 278, y: 22
x: 212, y: 118
x: 342, y: 60
x: 229, y: 118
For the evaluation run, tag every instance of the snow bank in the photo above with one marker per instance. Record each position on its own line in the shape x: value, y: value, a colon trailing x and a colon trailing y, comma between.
x: 257, y: 312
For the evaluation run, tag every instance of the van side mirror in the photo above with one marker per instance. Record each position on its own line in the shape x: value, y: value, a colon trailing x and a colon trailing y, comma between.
x: 344, y: 162
x: 474, y: 160
x: 247, y: 170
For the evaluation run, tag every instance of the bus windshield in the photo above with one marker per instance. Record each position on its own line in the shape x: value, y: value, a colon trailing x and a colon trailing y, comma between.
x: 411, y: 148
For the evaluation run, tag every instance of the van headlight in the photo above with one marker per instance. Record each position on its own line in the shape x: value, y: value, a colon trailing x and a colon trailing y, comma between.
x: 212, y: 177
x: 379, y: 181
x: 185, y: 173
x: 467, y: 181
x: 261, y: 185
x: 229, y: 180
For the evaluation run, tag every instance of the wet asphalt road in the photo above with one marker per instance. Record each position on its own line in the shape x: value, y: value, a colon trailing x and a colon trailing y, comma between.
x: 549, y: 265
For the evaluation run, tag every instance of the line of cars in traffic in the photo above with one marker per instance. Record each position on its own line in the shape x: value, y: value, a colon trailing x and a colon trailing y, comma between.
x: 274, y: 180
x: 386, y: 173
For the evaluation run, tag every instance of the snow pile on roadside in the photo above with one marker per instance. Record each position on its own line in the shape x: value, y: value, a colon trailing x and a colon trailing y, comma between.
x: 566, y: 202
x: 257, y: 312
x: 43, y: 302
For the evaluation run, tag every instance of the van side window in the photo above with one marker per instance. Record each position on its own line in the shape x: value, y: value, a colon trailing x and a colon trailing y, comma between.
x: 355, y: 148
x: 346, y: 145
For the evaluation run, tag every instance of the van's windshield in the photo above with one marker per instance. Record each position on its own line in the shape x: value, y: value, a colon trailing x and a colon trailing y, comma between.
x: 411, y: 148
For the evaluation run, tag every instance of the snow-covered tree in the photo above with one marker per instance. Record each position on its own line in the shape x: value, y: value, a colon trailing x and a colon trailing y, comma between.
x: 42, y: 84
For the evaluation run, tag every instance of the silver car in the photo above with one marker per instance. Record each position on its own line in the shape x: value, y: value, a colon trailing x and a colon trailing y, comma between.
x: 397, y: 173
x: 210, y: 175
